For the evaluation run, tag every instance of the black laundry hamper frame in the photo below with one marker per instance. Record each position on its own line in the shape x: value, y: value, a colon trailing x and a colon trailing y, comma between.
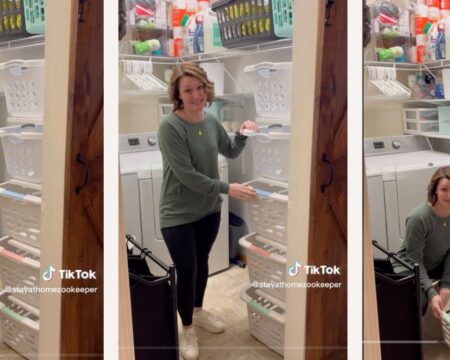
x: 399, y: 309
x: 153, y: 301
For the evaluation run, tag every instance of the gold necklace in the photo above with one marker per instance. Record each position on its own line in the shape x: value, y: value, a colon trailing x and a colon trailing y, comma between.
x: 200, y: 132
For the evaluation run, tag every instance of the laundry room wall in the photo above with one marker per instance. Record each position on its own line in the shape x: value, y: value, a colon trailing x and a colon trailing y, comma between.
x: 138, y: 113
x: 383, y: 117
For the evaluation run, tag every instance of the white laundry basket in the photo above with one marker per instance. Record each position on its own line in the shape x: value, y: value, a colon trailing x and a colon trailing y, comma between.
x: 20, y: 209
x: 446, y: 327
x: 268, y: 212
x: 20, y: 268
x: 270, y: 152
x: 23, y: 84
x: 266, y: 262
x: 20, y: 325
x: 22, y: 148
x: 265, y: 318
x: 272, y: 83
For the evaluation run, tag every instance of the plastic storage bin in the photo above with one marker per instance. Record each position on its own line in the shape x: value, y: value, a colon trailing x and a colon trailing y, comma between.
x: 266, y: 262
x: 23, y: 84
x: 35, y: 16
x: 248, y: 22
x: 22, y: 148
x: 20, y: 208
x: 20, y: 325
x: 272, y: 83
x: 268, y: 212
x: 270, y: 152
x: 12, y: 21
x: 20, y: 268
x: 265, y: 317
x: 444, y: 120
x: 420, y: 120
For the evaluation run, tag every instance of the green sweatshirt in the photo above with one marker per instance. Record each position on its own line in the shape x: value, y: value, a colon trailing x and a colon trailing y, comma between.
x: 191, y: 183
x: 427, y: 243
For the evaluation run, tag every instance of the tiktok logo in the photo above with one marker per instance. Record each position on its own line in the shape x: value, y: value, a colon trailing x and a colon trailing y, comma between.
x: 294, y: 269
x: 47, y: 275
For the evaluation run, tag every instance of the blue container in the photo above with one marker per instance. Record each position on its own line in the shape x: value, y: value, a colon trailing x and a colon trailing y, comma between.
x: 444, y: 120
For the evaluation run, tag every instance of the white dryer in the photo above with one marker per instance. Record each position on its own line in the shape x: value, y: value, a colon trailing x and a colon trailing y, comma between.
x: 142, y: 172
x: 398, y: 170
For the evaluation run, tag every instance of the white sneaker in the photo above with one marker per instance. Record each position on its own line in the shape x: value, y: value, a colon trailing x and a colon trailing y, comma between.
x: 207, y: 321
x: 189, y: 344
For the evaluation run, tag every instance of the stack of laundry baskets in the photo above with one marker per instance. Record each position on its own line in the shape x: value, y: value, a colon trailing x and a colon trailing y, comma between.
x: 265, y: 246
x: 20, y: 204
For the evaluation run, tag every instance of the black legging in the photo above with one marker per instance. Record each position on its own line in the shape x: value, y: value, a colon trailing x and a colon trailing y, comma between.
x: 189, y: 246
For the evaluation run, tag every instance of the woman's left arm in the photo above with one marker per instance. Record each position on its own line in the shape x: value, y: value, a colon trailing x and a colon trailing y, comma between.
x: 231, y: 147
x: 445, y: 280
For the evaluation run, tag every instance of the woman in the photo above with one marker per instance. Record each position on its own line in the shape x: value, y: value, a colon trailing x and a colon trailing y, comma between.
x: 190, y: 140
x: 427, y: 242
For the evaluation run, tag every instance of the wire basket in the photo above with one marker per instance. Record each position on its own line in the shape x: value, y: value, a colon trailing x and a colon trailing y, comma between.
x: 272, y: 83
x: 23, y: 84
x: 268, y: 212
x: 12, y: 20
x: 265, y: 317
x: 20, y: 325
x: 22, y: 148
x: 35, y: 16
x: 20, y: 208
x: 19, y: 269
x: 248, y: 22
x: 266, y: 262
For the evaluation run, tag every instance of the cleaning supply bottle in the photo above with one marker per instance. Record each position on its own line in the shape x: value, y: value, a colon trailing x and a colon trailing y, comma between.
x: 432, y: 39
x: 440, y: 42
x: 199, y: 35
x: 213, y: 41
x: 189, y: 35
x: 447, y: 36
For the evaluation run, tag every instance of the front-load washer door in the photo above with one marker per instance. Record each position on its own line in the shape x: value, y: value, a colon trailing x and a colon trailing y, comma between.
x: 131, y: 206
x: 412, y: 182
x: 149, y: 211
x: 377, y: 213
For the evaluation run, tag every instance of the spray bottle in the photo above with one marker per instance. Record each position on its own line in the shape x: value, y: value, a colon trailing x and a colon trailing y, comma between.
x: 440, y: 42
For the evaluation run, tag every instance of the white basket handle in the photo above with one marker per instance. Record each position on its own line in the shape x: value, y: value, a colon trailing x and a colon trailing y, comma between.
x: 21, y: 63
x: 264, y: 65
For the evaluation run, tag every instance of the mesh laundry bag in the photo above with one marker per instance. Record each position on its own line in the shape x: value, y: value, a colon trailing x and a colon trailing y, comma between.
x: 153, y: 313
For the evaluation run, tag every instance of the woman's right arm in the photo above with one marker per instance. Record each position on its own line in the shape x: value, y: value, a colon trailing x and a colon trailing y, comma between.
x: 415, y: 244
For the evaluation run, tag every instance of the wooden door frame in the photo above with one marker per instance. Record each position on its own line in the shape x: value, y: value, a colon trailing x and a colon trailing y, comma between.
x: 308, y: 58
x: 71, y: 324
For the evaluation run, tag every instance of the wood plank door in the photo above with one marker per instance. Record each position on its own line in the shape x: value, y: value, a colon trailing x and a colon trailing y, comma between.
x: 82, y: 314
x: 326, y: 313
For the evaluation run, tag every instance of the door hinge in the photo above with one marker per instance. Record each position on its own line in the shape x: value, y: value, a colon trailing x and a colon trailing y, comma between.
x: 329, y: 4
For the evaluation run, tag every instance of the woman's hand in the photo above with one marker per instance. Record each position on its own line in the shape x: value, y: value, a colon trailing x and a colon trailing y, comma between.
x: 248, y: 125
x: 444, y: 293
x: 436, y: 306
x: 241, y: 192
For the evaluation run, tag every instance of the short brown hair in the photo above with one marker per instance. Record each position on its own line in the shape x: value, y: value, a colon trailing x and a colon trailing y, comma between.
x: 193, y: 70
x: 441, y: 173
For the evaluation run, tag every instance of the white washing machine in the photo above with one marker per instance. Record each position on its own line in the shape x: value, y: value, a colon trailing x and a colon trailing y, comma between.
x: 142, y: 172
x: 398, y: 170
